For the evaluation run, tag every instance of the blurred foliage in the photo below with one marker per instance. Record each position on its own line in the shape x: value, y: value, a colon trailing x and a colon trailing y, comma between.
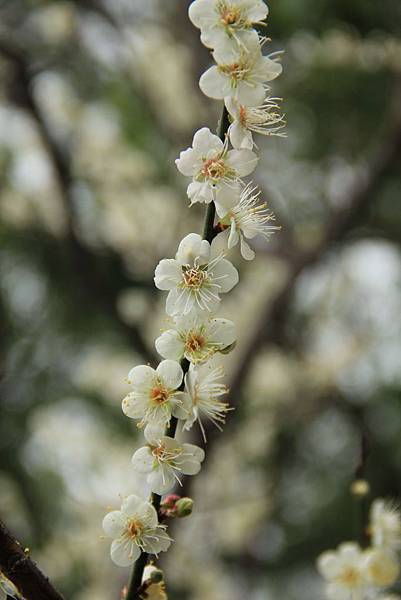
x: 96, y: 101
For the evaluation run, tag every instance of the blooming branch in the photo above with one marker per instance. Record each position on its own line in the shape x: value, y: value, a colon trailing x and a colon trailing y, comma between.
x: 183, y: 389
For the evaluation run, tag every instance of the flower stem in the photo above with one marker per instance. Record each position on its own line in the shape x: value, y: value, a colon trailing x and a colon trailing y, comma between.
x: 209, y: 232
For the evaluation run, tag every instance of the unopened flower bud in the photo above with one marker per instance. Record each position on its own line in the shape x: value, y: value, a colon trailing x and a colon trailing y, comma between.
x: 184, y: 507
x: 170, y: 500
x: 168, y: 505
x: 360, y: 488
x: 152, y: 574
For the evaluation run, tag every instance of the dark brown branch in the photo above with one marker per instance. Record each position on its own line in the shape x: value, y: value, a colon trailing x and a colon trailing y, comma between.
x: 22, y: 571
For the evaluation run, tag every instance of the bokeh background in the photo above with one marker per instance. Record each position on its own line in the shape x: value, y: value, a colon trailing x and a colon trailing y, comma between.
x: 96, y: 101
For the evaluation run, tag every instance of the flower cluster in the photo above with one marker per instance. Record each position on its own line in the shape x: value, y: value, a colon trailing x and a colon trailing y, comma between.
x: 184, y: 388
x: 353, y: 573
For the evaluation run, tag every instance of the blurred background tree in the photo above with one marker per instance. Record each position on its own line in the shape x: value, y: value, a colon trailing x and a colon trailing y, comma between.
x: 97, y: 99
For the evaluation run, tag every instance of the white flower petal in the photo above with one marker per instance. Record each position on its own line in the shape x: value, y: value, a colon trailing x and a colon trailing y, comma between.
x: 233, y: 107
x: 271, y: 68
x: 226, y: 54
x: 221, y: 210
x: 124, y: 552
x: 250, y: 95
x: 170, y: 373
x: 164, y: 541
x: 191, y: 247
x: 189, y: 162
x: 181, y: 411
x: 153, y: 432
x: 214, y: 84
x: 328, y: 565
x: 133, y: 407
x: 132, y: 505
x: 114, y: 524
x: 227, y: 195
x: 143, y: 460
x: 171, y: 302
x: 240, y: 137
x: 349, y: 551
x: 222, y: 331
x: 170, y: 345
x: 201, y: 12
x: 149, y: 515
x: 198, y: 453
x: 226, y: 275
x: 141, y: 377
x: 157, y: 541
x: 204, y: 141
x: 246, y: 250
x: 190, y: 467
x: 257, y: 11
x: 161, y: 480
x: 200, y: 191
x: 167, y: 274
x: 243, y: 161
x: 233, y: 237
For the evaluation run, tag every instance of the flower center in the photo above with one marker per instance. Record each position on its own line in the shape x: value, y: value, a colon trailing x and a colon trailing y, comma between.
x: 195, y: 342
x: 214, y: 168
x: 230, y: 16
x: 165, y: 455
x: 237, y: 71
x: 159, y: 395
x: 194, y: 278
x: 350, y: 577
x: 134, y: 528
x: 158, y: 452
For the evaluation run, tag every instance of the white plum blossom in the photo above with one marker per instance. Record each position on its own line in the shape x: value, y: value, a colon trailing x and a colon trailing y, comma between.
x: 215, y: 171
x: 196, y: 339
x: 155, y: 396
x: 385, y: 524
x: 381, y: 567
x: 134, y: 528
x: 227, y: 21
x: 344, y: 571
x: 204, y: 392
x: 248, y: 219
x: 264, y: 119
x: 193, y: 279
x: 164, y: 459
x: 240, y: 73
